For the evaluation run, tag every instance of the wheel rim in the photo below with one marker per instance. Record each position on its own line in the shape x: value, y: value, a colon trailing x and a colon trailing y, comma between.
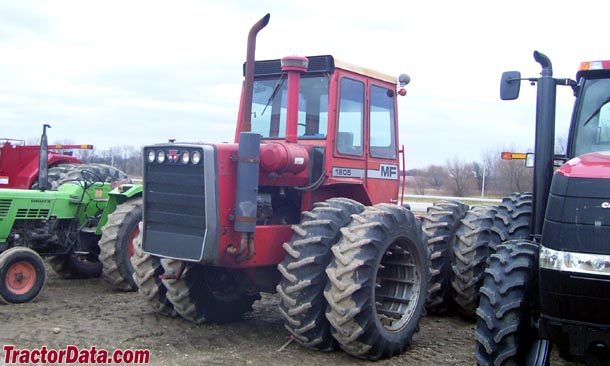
x: 20, y: 278
x: 398, y: 285
x: 134, y: 234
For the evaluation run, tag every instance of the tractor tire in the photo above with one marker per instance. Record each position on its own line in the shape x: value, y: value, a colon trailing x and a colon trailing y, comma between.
x: 206, y: 294
x: 146, y: 272
x: 504, y: 332
x: 101, y: 173
x: 64, y: 173
x: 75, y: 266
x: 301, y: 289
x: 54, y: 175
x: 440, y: 224
x: 470, y: 252
x: 512, y: 221
x: 378, y: 281
x: 22, y: 275
x: 116, y: 244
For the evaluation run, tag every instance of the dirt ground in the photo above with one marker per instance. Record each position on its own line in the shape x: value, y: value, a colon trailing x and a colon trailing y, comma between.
x: 88, y: 313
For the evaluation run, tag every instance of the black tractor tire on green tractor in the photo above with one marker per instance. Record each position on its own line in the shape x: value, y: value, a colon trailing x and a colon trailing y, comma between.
x: 470, y: 252
x: 22, y: 275
x: 504, y: 332
x: 62, y: 173
x: 301, y: 289
x: 116, y: 244
x: 512, y: 221
x: 206, y: 294
x: 378, y: 280
x: 147, y: 270
x: 440, y: 224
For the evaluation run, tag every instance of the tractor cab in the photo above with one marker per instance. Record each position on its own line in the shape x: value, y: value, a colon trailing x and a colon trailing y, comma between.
x: 590, y: 129
x: 345, y: 119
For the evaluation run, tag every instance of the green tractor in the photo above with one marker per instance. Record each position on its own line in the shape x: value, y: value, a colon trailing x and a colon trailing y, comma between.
x: 85, y: 227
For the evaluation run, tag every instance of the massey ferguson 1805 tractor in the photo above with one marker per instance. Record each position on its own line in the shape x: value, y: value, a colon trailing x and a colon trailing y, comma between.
x: 65, y: 224
x: 553, y: 287
x: 303, y: 203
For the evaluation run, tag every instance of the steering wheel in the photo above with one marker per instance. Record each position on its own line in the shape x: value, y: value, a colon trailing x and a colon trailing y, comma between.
x: 91, y: 177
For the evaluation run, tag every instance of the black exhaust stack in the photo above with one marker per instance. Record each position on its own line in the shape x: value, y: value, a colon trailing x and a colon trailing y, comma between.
x: 246, y: 122
x: 43, y: 160
x: 545, y: 141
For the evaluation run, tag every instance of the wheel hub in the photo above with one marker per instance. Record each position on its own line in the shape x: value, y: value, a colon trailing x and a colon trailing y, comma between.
x: 20, y: 278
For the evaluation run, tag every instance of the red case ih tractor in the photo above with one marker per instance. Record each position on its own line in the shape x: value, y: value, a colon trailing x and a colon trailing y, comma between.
x: 303, y: 203
x: 19, y: 162
x: 554, y: 287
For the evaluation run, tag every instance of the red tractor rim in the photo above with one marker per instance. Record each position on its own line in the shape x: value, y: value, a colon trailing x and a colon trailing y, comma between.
x: 134, y: 234
x: 20, y: 278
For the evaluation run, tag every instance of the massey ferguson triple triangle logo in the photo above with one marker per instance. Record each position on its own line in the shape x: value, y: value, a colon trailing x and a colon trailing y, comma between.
x: 173, y: 156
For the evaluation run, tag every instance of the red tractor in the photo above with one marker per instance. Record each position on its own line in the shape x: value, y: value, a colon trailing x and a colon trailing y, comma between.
x: 303, y: 203
x: 19, y: 162
x: 552, y: 286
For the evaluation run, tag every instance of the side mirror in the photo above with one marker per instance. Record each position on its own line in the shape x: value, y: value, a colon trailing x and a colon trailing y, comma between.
x: 529, y: 160
x: 510, y: 85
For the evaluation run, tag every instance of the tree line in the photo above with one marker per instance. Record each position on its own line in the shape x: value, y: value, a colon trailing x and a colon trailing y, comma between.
x: 490, y: 177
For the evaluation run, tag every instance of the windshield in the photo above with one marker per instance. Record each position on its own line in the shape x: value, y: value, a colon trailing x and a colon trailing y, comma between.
x: 592, y: 130
x: 269, y: 107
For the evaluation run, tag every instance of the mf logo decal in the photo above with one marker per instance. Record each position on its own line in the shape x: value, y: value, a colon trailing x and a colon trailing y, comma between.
x: 606, y: 205
x: 385, y: 171
x: 173, y: 156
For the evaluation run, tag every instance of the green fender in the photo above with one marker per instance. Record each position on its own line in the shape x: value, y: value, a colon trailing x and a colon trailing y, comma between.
x: 117, y: 196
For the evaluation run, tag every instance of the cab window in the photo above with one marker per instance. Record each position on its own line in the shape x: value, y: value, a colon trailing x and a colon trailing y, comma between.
x: 351, y: 118
x: 382, y: 130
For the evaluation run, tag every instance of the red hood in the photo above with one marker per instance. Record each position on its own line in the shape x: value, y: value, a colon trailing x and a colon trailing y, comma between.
x: 591, y: 165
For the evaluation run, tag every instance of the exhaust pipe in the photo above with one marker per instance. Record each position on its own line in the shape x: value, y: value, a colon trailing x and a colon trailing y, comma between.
x: 545, y: 141
x: 43, y: 160
x: 246, y: 113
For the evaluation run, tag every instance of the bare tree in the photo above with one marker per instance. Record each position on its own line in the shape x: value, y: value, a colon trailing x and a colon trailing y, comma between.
x: 460, y: 177
x: 561, y: 145
x: 437, y: 176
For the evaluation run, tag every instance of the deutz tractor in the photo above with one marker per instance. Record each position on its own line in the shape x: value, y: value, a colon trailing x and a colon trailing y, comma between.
x: 304, y: 202
x: 65, y: 224
x: 553, y: 287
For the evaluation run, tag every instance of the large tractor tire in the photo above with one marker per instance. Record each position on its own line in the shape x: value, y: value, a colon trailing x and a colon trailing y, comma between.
x: 206, y: 294
x: 471, y: 251
x: 440, y: 224
x: 303, y: 270
x: 147, y: 270
x: 62, y: 173
x: 504, y: 333
x: 22, y: 275
x: 116, y: 244
x: 93, y: 172
x: 378, y: 281
x: 512, y: 221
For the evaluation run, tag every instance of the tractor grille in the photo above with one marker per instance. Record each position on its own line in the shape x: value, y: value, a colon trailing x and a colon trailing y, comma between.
x: 175, y: 199
x: 5, y: 205
x: 32, y: 213
x: 175, y: 203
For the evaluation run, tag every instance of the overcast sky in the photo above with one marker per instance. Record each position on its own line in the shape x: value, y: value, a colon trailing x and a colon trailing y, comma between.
x: 139, y: 72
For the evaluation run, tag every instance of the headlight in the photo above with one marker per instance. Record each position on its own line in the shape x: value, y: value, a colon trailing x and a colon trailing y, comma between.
x: 196, y: 157
x: 186, y: 157
x: 151, y: 156
x: 161, y: 156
